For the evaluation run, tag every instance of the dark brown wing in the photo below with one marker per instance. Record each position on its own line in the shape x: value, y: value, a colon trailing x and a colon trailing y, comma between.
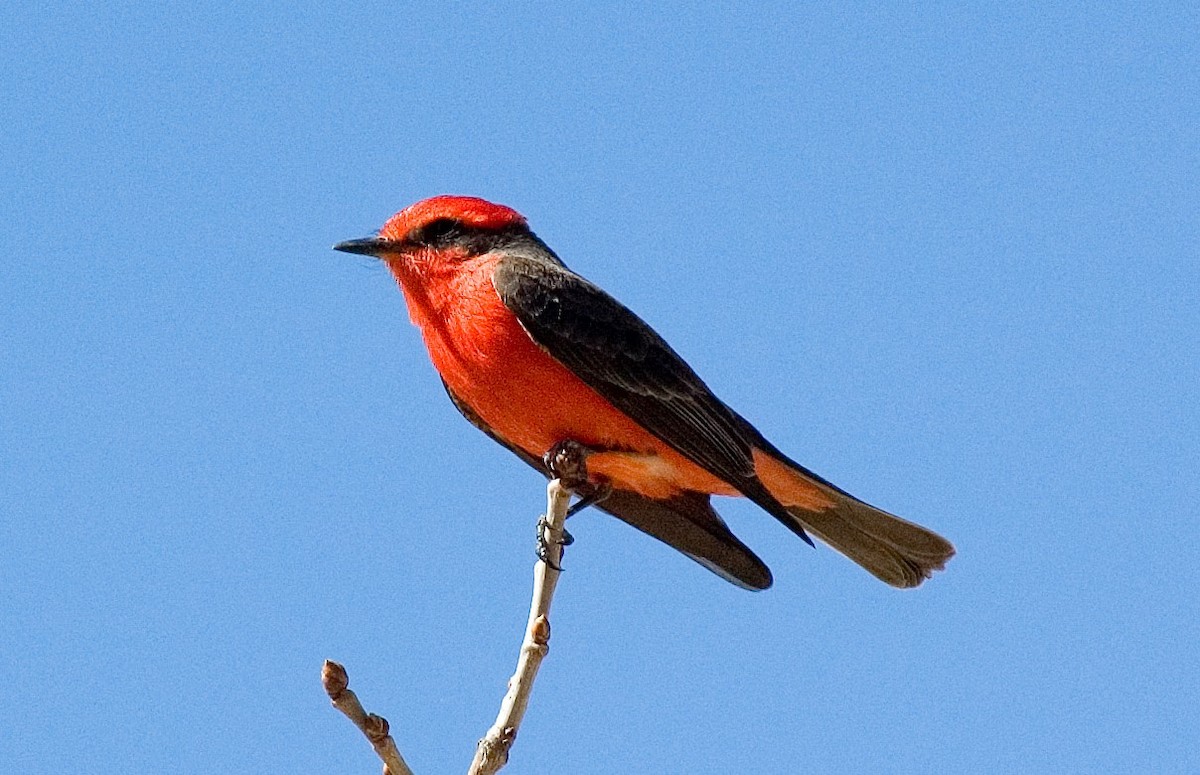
x: 620, y: 357
x: 624, y: 360
x: 687, y: 522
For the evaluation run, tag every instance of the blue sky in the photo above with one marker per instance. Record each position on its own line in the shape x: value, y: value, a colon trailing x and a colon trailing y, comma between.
x: 944, y: 256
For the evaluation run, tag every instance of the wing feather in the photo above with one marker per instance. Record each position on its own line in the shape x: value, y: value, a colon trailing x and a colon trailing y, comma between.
x: 623, y: 359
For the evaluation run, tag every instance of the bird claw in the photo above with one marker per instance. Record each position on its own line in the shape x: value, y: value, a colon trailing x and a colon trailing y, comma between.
x: 543, y: 542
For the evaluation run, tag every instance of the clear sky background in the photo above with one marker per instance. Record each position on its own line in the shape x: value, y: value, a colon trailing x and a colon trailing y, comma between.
x: 945, y: 257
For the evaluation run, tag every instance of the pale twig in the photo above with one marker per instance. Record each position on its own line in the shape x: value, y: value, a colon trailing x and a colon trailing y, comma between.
x: 492, y: 752
x: 337, y: 683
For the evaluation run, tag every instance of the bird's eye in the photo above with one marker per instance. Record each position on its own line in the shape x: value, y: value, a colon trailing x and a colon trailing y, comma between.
x: 437, y: 233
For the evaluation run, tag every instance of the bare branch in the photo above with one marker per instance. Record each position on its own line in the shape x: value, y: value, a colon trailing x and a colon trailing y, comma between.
x: 337, y: 683
x: 492, y: 752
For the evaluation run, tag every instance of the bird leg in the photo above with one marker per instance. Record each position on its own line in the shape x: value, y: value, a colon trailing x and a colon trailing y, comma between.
x: 591, y: 495
x: 567, y: 462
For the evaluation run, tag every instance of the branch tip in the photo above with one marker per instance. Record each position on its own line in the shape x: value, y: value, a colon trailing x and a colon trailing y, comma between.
x: 334, y: 678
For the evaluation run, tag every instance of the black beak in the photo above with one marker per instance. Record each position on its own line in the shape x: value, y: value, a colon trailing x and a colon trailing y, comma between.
x: 368, y: 246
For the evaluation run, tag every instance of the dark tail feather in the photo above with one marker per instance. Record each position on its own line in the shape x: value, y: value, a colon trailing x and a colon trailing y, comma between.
x: 688, y: 523
x: 895, y: 550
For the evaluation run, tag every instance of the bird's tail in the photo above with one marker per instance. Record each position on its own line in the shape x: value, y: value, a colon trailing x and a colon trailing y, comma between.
x: 894, y: 550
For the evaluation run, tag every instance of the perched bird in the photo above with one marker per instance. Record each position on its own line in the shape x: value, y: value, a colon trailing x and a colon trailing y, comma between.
x: 537, y: 357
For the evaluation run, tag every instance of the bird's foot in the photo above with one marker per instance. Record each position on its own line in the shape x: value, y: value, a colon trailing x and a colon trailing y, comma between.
x: 567, y: 462
x: 544, y: 542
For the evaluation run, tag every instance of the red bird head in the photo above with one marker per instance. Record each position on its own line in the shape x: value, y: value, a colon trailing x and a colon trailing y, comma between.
x: 440, y: 225
x: 440, y: 237
x: 466, y: 211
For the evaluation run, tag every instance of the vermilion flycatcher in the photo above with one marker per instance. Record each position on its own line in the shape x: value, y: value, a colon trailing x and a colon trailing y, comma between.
x: 536, y: 356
